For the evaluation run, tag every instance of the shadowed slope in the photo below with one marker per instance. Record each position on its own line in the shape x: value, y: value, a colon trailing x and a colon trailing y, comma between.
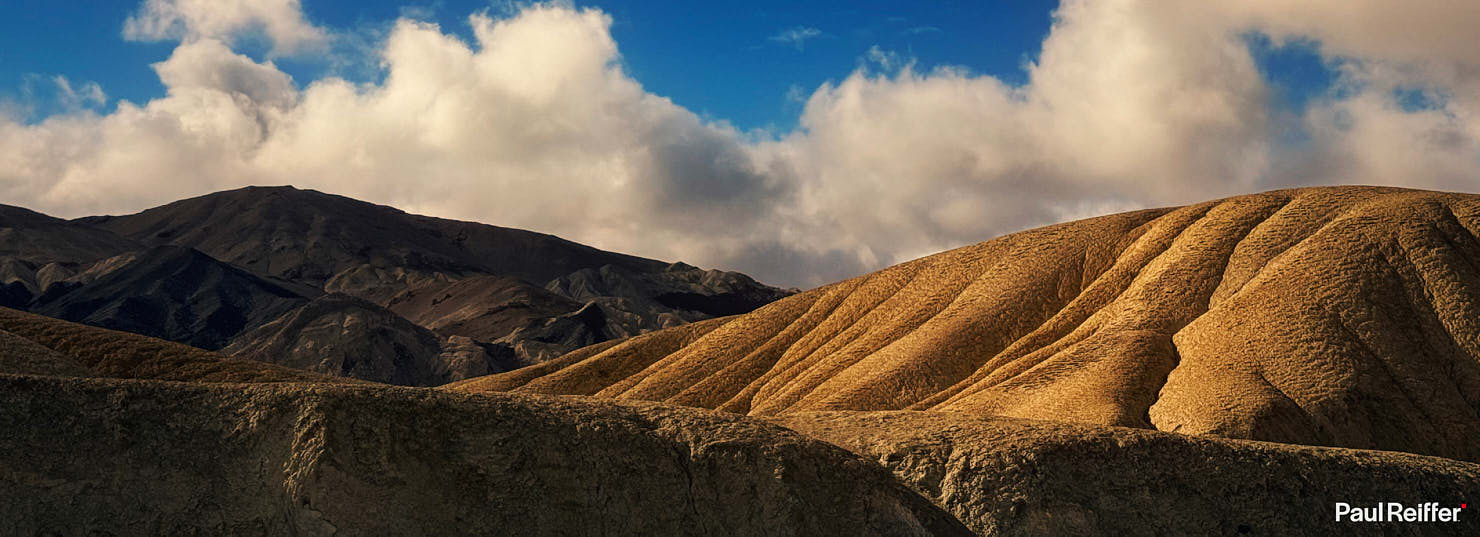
x: 149, y: 458
x: 173, y: 293
x: 478, y: 281
x: 42, y: 239
x: 310, y: 237
x: 1333, y: 316
x: 1008, y: 476
x: 484, y: 308
x: 108, y: 353
x: 346, y: 336
x: 21, y: 356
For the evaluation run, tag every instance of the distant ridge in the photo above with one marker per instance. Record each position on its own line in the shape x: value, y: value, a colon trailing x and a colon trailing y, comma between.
x: 210, y: 270
x: 311, y: 237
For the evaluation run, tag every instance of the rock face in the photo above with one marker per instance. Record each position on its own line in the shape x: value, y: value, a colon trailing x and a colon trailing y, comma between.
x: 484, y: 308
x: 1007, y: 476
x: 172, y: 293
x: 146, y: 458
x: 1329, y: 316
x: 346, y: 336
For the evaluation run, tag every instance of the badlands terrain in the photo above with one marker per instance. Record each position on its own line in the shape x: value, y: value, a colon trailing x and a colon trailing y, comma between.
x: 222, y: 365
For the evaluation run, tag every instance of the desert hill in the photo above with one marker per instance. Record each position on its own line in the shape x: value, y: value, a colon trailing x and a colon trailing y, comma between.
x: 147, y: 457
x: 169, y: 458
x: 1010, y: 476
x: 1326, y: 316
x: 232, y: 446
x: 39, y: 345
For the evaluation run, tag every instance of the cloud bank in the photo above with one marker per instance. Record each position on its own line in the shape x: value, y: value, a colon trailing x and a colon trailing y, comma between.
x: 535, y: 124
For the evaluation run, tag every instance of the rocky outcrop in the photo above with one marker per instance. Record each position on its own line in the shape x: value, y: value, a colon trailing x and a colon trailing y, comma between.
x: 148, y: 458
x: 638, y: 302
x: 1327, y: 316
x: 1007, y: 476
x: 346, y: 336
x: 483, y: 308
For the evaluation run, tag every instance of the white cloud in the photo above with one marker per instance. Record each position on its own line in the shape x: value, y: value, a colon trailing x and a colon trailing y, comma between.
x: 796, y: 37
x: 281, y: 21
x: 84, y: 95
x: 536, y: 125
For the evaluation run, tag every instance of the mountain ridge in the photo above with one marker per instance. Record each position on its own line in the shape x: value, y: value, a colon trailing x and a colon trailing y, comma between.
x: 486, y: 291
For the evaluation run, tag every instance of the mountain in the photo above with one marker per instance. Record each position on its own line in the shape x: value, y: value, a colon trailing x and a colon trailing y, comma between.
x: 476, y: 281
x: 312, y: 237
x: 37, y: 250
x: 42, y: 240
x: 97, y: 444
x: 1329, y: 316
x: 173, y: 293
x: 484, y: 308
x: 346, y: 336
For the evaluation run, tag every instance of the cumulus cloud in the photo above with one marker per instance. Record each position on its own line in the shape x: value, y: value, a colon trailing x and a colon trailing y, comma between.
x: 535, y: 124
x: 281, y: 21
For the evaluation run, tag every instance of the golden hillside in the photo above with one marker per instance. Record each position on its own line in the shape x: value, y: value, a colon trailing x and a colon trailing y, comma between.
x: 32, y: 344
x: 1344, y: 316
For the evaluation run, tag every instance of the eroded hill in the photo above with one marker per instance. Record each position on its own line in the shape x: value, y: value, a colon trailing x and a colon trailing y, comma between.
x: 242, y: 447
x: 1327, y: 316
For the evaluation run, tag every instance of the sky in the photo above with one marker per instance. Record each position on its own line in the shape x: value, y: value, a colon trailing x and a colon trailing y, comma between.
x: 798, y: 143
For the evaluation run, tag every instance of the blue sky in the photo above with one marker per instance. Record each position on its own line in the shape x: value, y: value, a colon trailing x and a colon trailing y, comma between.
x: 745, y: 63
x: 722, y: 60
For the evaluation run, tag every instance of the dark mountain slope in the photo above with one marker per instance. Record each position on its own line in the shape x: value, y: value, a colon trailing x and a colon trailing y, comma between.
x: 457, y: 278
x: 484, y: 308
x: 346, y: 336
x: 41, y: 239
x: 173, y: 293
x: 309, y: 236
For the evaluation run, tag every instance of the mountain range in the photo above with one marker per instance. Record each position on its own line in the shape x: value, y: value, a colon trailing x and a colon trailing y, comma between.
x: 1233, y: 367
x: 335, y: 285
